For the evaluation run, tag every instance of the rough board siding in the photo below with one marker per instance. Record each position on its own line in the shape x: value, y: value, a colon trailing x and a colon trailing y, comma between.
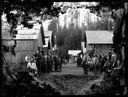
x: 18, y: 59
x: 24, y: 45
x: 102, y: 48
x: 21, y: 50
x: 15, y: 62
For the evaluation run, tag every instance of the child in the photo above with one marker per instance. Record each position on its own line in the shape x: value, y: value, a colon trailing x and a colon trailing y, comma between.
x: 32, y: 67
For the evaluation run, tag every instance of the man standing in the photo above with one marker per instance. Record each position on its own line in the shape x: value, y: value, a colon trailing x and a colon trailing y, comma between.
x: 79, y: 61
x: 121, y: 42
x: 38, y: 60
x: 85, y: 65
x: 55, y: 58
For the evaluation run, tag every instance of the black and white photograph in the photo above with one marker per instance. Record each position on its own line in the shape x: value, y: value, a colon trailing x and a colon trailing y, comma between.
x: 64, y: 47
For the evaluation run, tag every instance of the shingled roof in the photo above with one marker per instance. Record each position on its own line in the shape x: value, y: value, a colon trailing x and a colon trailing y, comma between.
x: 99, y: 37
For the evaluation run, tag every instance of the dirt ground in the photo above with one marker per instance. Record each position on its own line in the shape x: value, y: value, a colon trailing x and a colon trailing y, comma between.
x: 70, y: 80
x: 69, y: 84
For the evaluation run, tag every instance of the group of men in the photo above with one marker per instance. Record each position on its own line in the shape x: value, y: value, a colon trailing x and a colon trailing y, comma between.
x: 43, y: 63
x: 99, y: 63
x: 109, y: 66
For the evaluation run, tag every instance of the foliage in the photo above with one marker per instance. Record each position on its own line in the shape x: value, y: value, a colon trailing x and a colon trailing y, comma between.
x: 70, y: 35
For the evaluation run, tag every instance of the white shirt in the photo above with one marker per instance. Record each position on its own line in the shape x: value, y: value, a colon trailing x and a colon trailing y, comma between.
x: 32, y: 65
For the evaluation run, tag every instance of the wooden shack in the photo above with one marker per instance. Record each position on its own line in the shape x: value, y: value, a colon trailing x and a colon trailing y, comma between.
x: 100, y: 40
x: 73, y: 55
x: 28, y: 41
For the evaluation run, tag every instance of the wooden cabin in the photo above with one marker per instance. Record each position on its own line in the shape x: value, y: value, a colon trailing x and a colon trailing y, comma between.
x: 28, y: 41
x: 73, y: 54
x: 100, y: 40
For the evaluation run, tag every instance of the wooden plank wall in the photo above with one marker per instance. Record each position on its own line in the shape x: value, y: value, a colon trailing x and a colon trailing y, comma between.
x: 19, y: 58
x: 102, y: 48
x: 21, y: 50
x: 16, y: 62
x: 27, y: 45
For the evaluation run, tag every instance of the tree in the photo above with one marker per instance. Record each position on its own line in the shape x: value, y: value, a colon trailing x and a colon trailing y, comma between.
x: 47, y: 11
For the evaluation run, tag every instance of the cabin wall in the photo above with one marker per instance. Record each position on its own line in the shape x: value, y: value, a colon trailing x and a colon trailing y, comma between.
x: 101, y: 48
x: 16, y: 62
x: 22, y: 48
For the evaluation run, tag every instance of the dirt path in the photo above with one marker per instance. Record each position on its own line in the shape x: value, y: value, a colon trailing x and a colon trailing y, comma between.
x: 70, y: 84
x: 86, y: 88
x: 71, y: 80
x: 71, y: 69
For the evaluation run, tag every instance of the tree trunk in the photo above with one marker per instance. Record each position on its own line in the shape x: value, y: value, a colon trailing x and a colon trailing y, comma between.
x: 125, y: 62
